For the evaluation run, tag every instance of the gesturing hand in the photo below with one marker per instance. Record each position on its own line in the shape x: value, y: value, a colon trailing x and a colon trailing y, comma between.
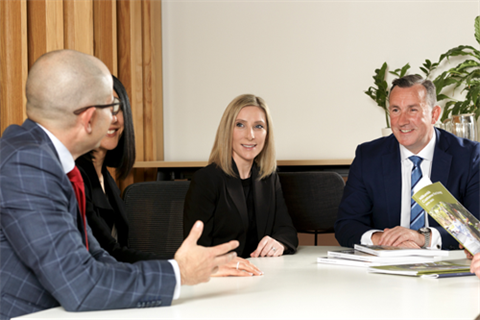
x: 238, y: 267
x: 268, y: 247
x: 197, y: 263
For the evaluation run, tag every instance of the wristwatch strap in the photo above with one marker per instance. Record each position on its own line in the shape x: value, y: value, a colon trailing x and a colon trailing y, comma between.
x: 427, y: 233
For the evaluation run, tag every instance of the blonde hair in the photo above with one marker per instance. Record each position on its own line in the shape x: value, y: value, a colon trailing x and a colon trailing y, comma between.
x: 221, y: 153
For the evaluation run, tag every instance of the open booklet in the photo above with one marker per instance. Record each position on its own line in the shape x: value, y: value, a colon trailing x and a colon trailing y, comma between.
x: 450, y: 214
x: 438, y: 269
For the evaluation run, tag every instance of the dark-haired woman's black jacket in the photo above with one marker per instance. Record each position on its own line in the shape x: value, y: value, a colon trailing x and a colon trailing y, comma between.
x: 103, y: 210
x: 219, y: 201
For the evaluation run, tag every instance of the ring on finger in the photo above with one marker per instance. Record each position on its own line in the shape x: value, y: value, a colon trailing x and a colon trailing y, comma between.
x: 238, y: 263
x: 274, y: 249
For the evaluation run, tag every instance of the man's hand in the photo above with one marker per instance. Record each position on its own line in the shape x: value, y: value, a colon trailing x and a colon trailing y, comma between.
x: 475, y: 266
x: 268, y: 247
x: 409, y: 244
x: 467, y: 253
x: 396, y: 236
x: 376, y: 236
x: 197, y: 263
x: 238, y: 267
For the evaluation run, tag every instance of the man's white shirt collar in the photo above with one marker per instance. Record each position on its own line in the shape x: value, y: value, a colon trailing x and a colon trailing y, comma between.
x: 426, y: 153
x: 66, y: 158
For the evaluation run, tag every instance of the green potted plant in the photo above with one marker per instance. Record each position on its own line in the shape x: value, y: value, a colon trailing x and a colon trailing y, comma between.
x: 462, y: 78
x: 465, y: 77
x: 379, y: 92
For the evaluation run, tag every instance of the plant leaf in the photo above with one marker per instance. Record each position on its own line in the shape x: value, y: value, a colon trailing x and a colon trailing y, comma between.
x: 441, y: 97
x: 456, y: 108
x: 460, y: 51
x: 380, y: 92
x: 404, y: 70
x: 447, y: 110
x: 477, y: 29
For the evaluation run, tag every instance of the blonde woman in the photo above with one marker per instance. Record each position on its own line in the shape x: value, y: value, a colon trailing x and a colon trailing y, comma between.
x: 238, y: 195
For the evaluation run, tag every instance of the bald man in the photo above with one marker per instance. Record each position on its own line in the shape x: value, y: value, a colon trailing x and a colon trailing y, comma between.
x: 48, y: 256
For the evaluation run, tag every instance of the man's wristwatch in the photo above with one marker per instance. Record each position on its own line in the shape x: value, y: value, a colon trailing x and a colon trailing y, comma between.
x: 427, y: 233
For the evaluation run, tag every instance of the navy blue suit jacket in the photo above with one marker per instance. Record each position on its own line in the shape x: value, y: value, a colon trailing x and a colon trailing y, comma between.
x: 44, y: 261
x: 372, y: 195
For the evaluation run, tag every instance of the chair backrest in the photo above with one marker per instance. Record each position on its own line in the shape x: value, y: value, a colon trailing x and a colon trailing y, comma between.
x: 312, y: 199
x: 155, y: 214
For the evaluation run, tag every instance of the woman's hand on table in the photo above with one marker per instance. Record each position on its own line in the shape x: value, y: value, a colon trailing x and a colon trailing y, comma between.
x: 238, y: 267
x: 268, y: 247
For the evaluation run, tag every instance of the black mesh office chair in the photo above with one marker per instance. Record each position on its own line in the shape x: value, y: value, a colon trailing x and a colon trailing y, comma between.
x: 312, y: 199
x: 155, y: 214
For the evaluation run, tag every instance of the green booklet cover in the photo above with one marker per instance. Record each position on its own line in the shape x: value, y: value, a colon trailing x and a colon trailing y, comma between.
x: 450, y: 214
x: 419, y: 269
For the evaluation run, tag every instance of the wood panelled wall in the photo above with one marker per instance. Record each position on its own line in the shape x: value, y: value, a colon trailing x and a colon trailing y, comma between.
x: 125, y: 35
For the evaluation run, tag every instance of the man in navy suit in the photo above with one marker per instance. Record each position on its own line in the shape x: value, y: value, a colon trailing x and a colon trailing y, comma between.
x: 45, y: 260
x: 376, y: 207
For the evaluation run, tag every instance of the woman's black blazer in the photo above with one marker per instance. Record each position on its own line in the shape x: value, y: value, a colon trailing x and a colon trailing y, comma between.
x: 218, y: 200
x: 99, y: 205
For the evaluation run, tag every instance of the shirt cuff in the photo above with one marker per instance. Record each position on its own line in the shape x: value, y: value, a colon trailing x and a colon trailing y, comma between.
x: 366, y: 238
x: 176, y: 269
x: 436, y: 242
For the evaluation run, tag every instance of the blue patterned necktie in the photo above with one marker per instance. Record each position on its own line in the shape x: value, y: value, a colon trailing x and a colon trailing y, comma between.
x: 417, y: 214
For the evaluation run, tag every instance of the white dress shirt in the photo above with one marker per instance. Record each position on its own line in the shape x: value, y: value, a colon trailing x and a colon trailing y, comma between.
x: 406, y: 164
x: 68, y: 163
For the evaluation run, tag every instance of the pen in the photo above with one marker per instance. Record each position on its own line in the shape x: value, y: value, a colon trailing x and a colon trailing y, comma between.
x: 448, y: 275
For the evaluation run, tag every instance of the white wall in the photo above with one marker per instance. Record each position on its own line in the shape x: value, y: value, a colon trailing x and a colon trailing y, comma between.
x: 311, y: 62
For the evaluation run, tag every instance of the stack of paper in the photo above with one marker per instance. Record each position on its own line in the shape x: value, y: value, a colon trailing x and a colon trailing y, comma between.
x: 380, y: 256
x: 389, y: 251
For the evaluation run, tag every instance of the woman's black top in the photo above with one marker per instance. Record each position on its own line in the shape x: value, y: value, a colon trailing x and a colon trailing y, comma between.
x: 106, y: 210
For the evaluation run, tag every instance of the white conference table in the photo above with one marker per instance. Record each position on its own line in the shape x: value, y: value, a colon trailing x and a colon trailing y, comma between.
x: 296, y: 287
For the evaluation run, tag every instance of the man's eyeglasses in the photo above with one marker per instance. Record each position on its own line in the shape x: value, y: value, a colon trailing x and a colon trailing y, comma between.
x: 117, y: 104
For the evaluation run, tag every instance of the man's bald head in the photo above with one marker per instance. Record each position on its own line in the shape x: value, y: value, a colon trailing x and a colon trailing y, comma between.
x: 62, y: 81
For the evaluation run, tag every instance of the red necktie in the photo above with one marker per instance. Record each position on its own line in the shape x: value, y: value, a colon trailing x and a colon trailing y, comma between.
x: 79, y: 188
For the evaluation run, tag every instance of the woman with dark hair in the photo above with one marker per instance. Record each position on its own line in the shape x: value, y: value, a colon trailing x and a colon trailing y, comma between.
x: 105, y: 209
x: 238, y: 195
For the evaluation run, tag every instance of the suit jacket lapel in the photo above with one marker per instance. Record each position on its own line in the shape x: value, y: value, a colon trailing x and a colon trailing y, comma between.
x: 235, y: 190
x: 261, y: 199
x: 43, y: 137
x: 392, y: 182
x: 441, y: 160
